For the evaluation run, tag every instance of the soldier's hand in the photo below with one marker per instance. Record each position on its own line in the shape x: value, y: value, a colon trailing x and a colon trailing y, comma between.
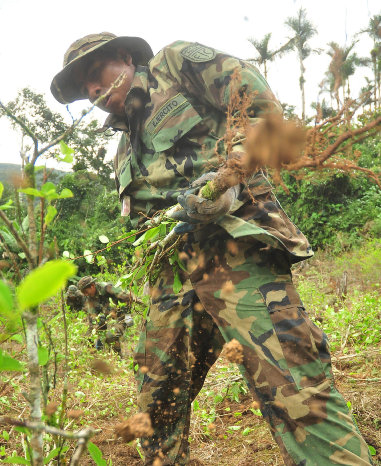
x: 198, y: 210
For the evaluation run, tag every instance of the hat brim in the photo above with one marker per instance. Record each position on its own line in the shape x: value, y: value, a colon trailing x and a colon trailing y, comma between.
x: 64, y: 87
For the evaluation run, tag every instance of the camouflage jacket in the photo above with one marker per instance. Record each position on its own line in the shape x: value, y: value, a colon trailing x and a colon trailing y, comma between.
x: 173, y: 133
x: 76, y: 302
x: 100, y: 303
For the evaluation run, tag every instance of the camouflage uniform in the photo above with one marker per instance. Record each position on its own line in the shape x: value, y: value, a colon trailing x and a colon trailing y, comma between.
x: 237, y: 283
x: 175, y: 120
x: 75, y: 299
x: 109, y: 323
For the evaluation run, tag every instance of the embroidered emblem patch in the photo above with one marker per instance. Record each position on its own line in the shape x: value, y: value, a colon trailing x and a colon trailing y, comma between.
x: 198, y: 53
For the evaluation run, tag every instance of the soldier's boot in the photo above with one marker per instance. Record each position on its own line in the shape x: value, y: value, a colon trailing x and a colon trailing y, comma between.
x: 117, y: 347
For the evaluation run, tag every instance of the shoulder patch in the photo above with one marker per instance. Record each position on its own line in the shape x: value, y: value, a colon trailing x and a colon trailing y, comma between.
x: 198, y: 53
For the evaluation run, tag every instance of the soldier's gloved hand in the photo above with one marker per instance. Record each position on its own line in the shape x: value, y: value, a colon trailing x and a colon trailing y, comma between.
x: 197, y: 210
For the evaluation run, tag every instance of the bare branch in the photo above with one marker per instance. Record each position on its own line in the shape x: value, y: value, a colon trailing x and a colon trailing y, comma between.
x: 20, y: 123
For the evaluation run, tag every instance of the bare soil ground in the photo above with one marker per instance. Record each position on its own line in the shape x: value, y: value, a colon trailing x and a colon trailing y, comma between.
x: 355, y: 378
x: 226, y: 428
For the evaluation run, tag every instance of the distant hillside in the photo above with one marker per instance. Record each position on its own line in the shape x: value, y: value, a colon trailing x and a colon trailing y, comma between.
x: 9, y: 170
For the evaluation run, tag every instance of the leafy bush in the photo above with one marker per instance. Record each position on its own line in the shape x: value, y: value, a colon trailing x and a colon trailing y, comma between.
x: 334, y: 209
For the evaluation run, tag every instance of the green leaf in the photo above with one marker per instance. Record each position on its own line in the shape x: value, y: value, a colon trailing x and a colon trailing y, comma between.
x: 50, y: 214
x: 43, y: 355
x: 53, y: 454
x: 9, y: 364
x: 1, y: 189
x: 44, y: 282
x: 9, y: 239
x: 177, y: 285
x: 103, y: 239
x: 65, y: 149
x: 141, y: 272
x: 22, y: 430
x: 7, y: 205
x: 15, y: 460
x: 17, y: 338
x: 96, y: 454
x: 48, y: 188
x: 31, y: 192
x: 247, y: 431
x: 6, y: 300
x: 235, y: 427
x: 147, y: 235
x: 5, y: 435
x: 67, y: 152
x: 372, y: 450
x: 65, y: 193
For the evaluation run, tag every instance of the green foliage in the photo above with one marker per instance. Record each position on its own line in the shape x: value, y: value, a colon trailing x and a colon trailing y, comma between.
x: 85, y: 221
x: 356, y: 324
x: 334, y: 209
x: 353, y: 321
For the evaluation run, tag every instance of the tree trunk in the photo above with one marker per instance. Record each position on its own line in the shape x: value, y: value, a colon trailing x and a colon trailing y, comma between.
x: 301, y: 85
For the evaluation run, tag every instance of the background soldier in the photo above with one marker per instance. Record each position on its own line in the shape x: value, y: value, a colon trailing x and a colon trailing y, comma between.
x: 172, y: 111
x: 75, y: 299
x: 109, y: 321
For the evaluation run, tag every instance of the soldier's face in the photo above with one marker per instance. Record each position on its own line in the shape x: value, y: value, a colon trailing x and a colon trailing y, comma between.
x: 89, y: 291
x: 100, y: 75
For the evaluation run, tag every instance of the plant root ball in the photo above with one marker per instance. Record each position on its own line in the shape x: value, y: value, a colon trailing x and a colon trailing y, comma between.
x: 273, y: 142
x: 136, y: 426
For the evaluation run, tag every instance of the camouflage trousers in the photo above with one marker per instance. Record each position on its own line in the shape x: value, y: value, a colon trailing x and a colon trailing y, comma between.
x: 241, y: 290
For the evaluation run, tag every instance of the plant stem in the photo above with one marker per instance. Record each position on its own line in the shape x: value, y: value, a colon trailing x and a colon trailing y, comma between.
x: 34, y: 396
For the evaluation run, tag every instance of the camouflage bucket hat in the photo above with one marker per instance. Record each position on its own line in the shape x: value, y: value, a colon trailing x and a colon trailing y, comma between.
x: 72, y: 290
x: 84, y: 282
x: 65, y: 89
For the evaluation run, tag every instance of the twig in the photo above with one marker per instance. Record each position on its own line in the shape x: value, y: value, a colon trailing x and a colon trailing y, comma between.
x: 350, y: 356
x: 83, y: 435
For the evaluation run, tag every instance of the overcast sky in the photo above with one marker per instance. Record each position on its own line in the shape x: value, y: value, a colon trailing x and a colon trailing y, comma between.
x: 34, y: 35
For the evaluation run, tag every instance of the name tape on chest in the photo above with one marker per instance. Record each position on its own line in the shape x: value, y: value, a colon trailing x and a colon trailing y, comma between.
x: 198, y: 53
x: 165, y: 111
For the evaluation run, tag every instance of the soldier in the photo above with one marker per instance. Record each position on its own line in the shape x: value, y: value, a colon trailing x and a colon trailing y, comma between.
x: 110, y: 324
x: 171, y: 110
x: 75, y: 299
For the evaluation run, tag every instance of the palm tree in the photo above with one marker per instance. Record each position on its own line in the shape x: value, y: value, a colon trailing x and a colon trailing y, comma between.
x: 265, y: 54
x: 343, y: 65
x: 303, y: 30
x: 374, y: 31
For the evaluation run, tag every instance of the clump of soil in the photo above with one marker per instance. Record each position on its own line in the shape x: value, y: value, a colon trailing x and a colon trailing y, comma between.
x: 51, y: 408
x: 234, y: 351
x: 98, y: 365
x: 136, y: 426
x: 74, y: 413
